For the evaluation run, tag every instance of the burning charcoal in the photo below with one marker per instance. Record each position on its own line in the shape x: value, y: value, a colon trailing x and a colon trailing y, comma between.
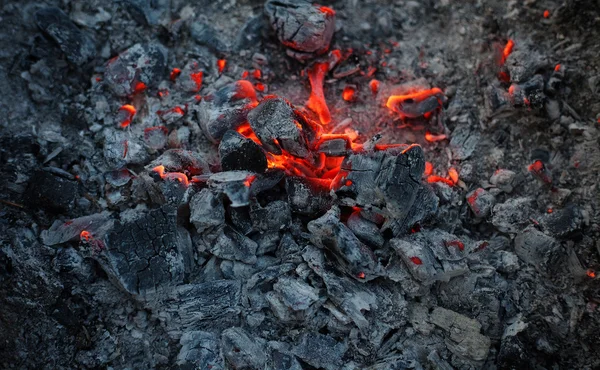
x: 146, y: 254
x: 562, y: 221
x: 60, y: 232
x: 120, y: 149
x: 235, y: 184
x: 530, y: 93
x: 522, y: 63
x: 190, y: 79
x: 274, y: 216
x: 418, y: 258
x: 206, y: 210
x: 77, y: 45
x: 307, y: 197
x: 206, y: 35
x: 274, y: 123
x: 226, y: 109
x: 241, y: 351
x: 137, y: 68
x: 232, y: 245
x: 296, y: 294
x: 199, y: 350
x: 183, y: 161
x: 334, y: 147
x: 512, y: 215
x: 503, y: 180
x: 240, y: 153
x: 51, y: 192
x: 463, y: 337
x: 301, y: 26
x: 417, y: 104
x: 365, y: 230
x: 147, y: 12
x: 329, y: 233
x: 193, y: 306
x: 480, y: 202
x: 320, y: 351
x: 534, y: 247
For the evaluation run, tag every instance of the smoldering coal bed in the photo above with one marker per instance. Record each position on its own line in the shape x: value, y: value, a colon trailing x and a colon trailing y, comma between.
x: 289, y: 185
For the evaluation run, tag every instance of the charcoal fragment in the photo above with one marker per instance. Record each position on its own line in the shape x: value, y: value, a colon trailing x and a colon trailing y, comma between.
x: 275, y: 124
x: 301, y: 26
x: 240, y: 153
x: 320, y: 351
x: 51, y: 192
x: 522, y: 63
x: 140, y: 64
x: 562, y: 221
x: 190, y: 79
x: 199, y: 350
x: 147, y: 12
x: 512, y: 215
x: 307, y: 197
x: 529, y: 93
x: 481, y: 202
x: 534, y: 247
x: 232, y: 245
x: 235, y: 184
x: 206, y: 35
x: 242, y: 351
x: 240, y: 219
x: 77, y: 45
x: 295, y: 293
x: 365, y: 230
x: 275, y: 216
x: 503, y: 179
x: 206, y: 210
x: 178, y: 160
x: 251, y: 33
x: 60, y: 231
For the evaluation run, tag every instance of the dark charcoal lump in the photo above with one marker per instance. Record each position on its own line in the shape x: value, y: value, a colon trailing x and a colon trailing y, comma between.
x: 274, y: 216
x: 242, y: 351
x: 240, y: 153
x: 206, y: 35
x: 147, y: 12
x: 77, y: 45
x: 301, y: 26
x: 51, y: 192
x: 307, y: 197
x: 147, y: 254
x: 320, y: 351
x: 274, y: 123
x: 143, y: 63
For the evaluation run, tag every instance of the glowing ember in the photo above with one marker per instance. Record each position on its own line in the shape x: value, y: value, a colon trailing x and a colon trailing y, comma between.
x: 433, y: 138
x: 557, y: 68
x: 257, y: 73
x: 456, y: 243
x: 174, y: 74
x: 361, y: 275
x: 221, y: 63
x: 249, y: 180
x: 316, y: 101
x: 326, y: 10
x: 416, y: 104
x: 546, y: 13
x: 416, y: 260
x: 259, y: 86
x: 428, y: 168
x: 591, y: 273
x: 349, y: 93
x: 85, y: 236
x: 434, y: 178
x: 453, y: 174
x: 197, y: 78
x: 374, y: 85
x: 510, y: 44
x: 139, y: 87
x: 177, y: 176
x: 128, y: 111
x: 245, y: 74
x: 539, y: 170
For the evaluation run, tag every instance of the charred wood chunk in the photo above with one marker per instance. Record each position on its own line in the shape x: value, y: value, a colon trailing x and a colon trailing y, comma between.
x: 295, y: 293
x: 240, y: 219
x: 481, y: 202
x: 365, y: 230
x: 355, y: 257
x: 320, y: 351
x: 523, y: 63
x: 206, y: 35
x: 529, y: 93
x: 193, y: 306
x: 307, y: 197
x: 425, y: 206
x: 148, y: 254
x: 419, y: 259
x: 274, y: 123
x: 137, y: 68
x: 190, y: 79
x: 241, y: 351
x: 240, y: 153
x: 147, y: 12
x: 563, y: 221
x: 226, y: 109
x: 334, y: 147
x: 51, y: 192
x: 232, y: 245
x: 301, y: 26
x: 235, y: 184
x: 200, y: 350
x: 534, y: 247
x: 274, y: 216
x: 512, y: 215
x: 206, y: 210
x: 77, y: 45
x: 179, y: 160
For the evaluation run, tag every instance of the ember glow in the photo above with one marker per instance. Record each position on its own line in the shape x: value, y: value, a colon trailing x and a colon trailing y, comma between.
x: 416, y: 260
x: 127, y: 112
x: 327, y: 10
x: 374, y: 85
x: 349, y: 93
x: 197, y: 78
x: 85, y: 236
x: 510, y: 44
x: 433, y: 138
x: 221, y: 64
x: 416, y: 104
x: 177, y: 176
x: 174, y: 74
x: 316, y: 101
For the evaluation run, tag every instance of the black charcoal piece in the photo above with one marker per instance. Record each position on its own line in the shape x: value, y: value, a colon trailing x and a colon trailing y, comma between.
x: 243, y: 351
x: 365, y: 230
x: 529, y: 93
x: 240, y: 153
x: 178, y: 160
x: 320, y: 351
x: 334, y: 147
x: 51, y: 192
x: 206, y: 35
x: 213, y: 304
x: 562, y: 221
x: 77, y: 45
x: 464, y: 142
x: 240, y: 219
x: 425, y: 206
x: 250, y: 35
x: 137, y: 68
x: 296, y: 294
x: 300, y: 25
x: 307, y: 197
x: 146, y: 254
x: 481, y: 202
x: 523, y: 62
x: 267, y: 242
x: 63, y: 231
x: 275, y: 216
x: 147, y: 12
x: 231, y: 245
x: 206, y: 210
x: 512, y: 215
x: 274, y: 123
x: 235, y: 184
x: 329, y: 233
x: 226, y: 109
x: 199, y: 350
x: 503, y: 179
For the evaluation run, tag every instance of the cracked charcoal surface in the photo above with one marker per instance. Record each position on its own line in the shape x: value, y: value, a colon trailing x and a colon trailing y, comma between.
x: 250, y: 267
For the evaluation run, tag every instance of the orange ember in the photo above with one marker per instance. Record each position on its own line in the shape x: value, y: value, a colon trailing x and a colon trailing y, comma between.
x: 536, y: 166
x: 327, y: 10
x: 557, y: 68
x: 591, y: 273
x: 177, y: 176
x: 249, y: 180
x: 510, y: 44
x: 245, y: 74
x: 406, y: 105
x: 174, y: 74
x: 416, y: 260
x: 85, y: 236
x: 130, y: 113
x: 139, y: 87
x: 259, y: 86
x: 349, y: 93
x: 374, y: 85
x: 257, y: 73
x: 433, y: 138
x: 434, y: 178
x: 453, y: 174
x: 197, y: 78
x: 361, y: 275
x: 546, y: 13
x: 428, y: 168
x: 221, y: 63
x: 316, y: 101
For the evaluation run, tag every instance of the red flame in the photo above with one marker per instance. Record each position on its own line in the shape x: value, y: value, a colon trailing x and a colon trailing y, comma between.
x: 221, y: 63
x: 174, y: 74
x: 328, y: 11
x: 316, y: 101
x: 177, y: 176
x: 510, y: 44
x: 416, y: 260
